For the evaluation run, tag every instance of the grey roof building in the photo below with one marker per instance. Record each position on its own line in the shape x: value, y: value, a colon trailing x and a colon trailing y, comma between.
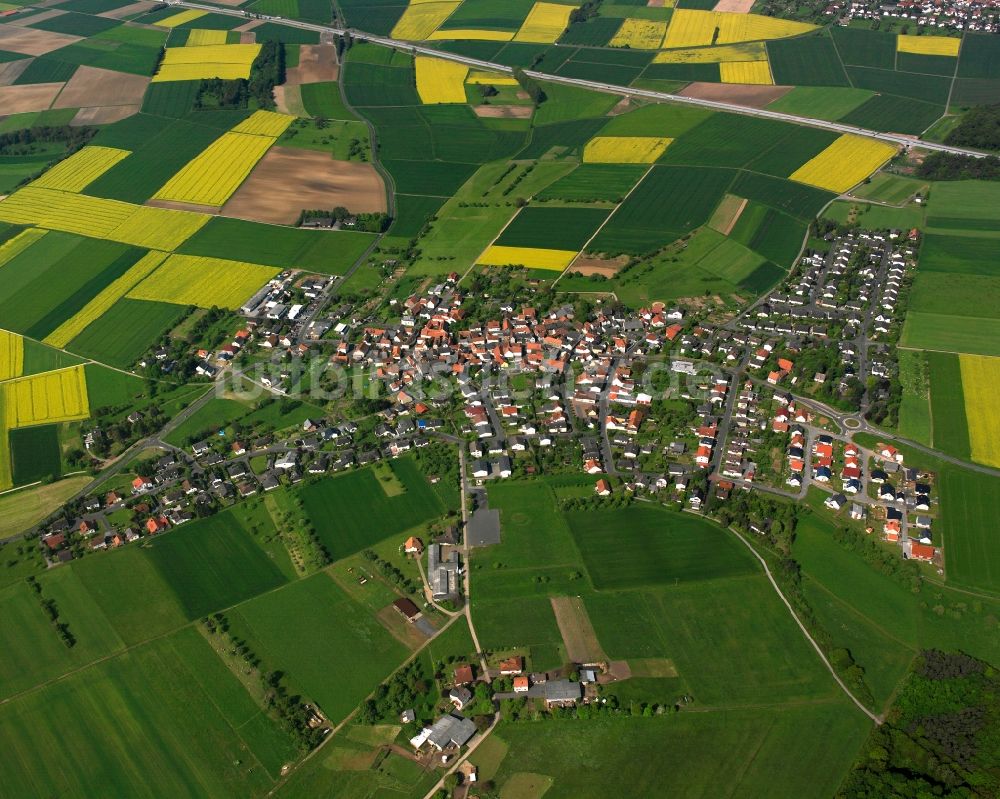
x: 451, y: 730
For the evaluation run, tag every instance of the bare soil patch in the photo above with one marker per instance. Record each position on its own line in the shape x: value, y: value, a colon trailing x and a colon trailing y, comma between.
x: 622, y: 106
x: 133, y: 9
x: 617, y: 670
x: 287, y: 180
x: 655, y: 4
x: 92, y: 86
x: 288, y: 99
x: 750, y: 96
x: 249, y: 26
x: 652, y: 667
x: 503, y: 111
x: 104, y: 114
x: 736, y: 6
x: 41, y: 17
x: 248, y: 37
x: 317, y: 62
x: 10, y: 71
x: 592, y: 265
x: 29, y: 97
x: 577, y: 632
x: 405, y: 633
x: 31, y: 41
x: 728, y: 212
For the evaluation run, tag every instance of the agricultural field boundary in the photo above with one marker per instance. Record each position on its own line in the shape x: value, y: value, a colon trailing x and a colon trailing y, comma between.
x: 418, y: 49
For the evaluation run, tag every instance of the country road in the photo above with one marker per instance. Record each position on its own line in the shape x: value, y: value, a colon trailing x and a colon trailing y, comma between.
x: 647, y: 94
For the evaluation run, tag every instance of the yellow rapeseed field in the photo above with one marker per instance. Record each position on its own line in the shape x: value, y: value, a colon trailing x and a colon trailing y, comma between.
x: 6, y: 472
x: 11, y: 355
x: 980, y: 377
x: 212, y: 176
x: 158, y: 228
x: 265, y: 123
x: 845, y: 163
x: 624, y: 149
x: 694, y: 28
x: 205, y: 282
x: 47, y: 398
x: 15, y: 246
x: 59, y: 210
x: 472, y: 34
x: 640, y: 34
x: 98, y: 306
x: 749, y: 51
x: 98, y: 218
x: 440, y: 81
x: 81, y: 169
x: 226, y: 61
x: 421, y: 19
x: 180, y: 18
x: 199, y: 37
x: 531, y: 257
x: 544, y: 24
x: 757, y: 72
x: 492, y: 78
x: 928, y: 45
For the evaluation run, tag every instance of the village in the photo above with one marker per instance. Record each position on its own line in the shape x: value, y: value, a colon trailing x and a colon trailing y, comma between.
x: 656, y: 403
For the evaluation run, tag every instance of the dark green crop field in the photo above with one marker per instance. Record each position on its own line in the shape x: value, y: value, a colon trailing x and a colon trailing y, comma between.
x: 552, y: 228
x: 352, y: 511
x: 669, y: 202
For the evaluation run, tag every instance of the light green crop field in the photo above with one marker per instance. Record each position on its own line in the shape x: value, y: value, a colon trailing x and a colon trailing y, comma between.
x: 31, y: 651
x: 934, y: 616
x: 820, y: 102
x: 332, y: 648
x: 971, y: 502
x: 731, y: 640
x: 164, y: 719
x: 476, y: 214
x: 889, y: 188
x: 641, y: 546
x: 883, y: 655
x: 690, y: 754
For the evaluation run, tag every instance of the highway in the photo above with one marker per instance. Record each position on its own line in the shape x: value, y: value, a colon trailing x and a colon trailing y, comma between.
x: 646, y: 94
